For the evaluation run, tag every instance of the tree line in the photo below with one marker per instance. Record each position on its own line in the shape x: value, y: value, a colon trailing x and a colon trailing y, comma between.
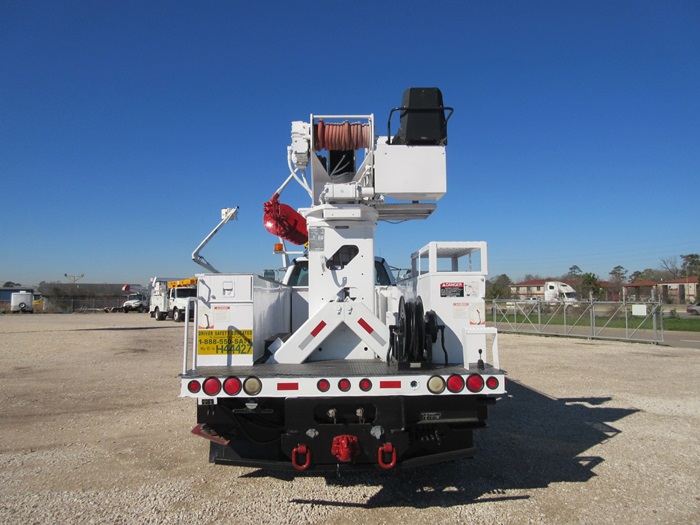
x: 587, y: 283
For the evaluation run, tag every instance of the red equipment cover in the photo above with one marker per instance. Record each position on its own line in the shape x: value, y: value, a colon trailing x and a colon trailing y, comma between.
x: 283, y: 221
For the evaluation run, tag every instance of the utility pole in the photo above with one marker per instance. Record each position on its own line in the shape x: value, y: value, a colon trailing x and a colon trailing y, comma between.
x: 73, y: 278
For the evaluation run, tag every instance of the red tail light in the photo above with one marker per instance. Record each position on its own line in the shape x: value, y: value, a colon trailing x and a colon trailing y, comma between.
x: 232, y: 386
x: 365, y: 385
x: 344, y: 385
x: 194, y: 386
x: 323, y: 385
x: 211, y: 386
x: 475, y: 383
x: 455, y: 383
x: 492, y: 383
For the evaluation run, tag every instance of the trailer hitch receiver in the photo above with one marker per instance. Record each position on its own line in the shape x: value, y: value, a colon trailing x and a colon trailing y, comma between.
x: 345, y: 447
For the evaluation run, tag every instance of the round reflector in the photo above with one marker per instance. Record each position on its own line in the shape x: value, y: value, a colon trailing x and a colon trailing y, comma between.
x: 436, y: 384
x: 252, y: 386
x: 194, y: 386
x: 232, y: 386
x: 475, y: 383
x: 365, y: 385
x: 211, y: 386
x: 344, y: 385
x: 455, y: 383
x: 492, y: 383
x: 323, y: 385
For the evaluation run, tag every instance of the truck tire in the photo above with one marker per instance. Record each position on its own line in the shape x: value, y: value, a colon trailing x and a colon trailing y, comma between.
x: 177, y: 315
x: 158, y: 315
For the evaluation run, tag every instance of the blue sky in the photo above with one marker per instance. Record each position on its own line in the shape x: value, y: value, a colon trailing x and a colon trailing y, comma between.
x: 126, y: 126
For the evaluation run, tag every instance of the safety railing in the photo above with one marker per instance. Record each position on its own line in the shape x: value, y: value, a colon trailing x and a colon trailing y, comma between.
x: 190, y: 313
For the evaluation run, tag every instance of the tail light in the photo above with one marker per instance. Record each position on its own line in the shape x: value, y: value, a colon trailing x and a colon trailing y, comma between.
x: 323, y: 385
x: 436, y: 384
x: 232, y: 386
x: 252, y: 386
x: 475, y: 383
x: 492, y: 383
x: 344, y: 385
x: 194, y: 386
x: 455, y: 383
x: 211, y: 386
x: 365, y: 385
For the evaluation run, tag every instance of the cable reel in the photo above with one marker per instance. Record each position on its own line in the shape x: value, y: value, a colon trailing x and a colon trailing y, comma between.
x: 414, y: 334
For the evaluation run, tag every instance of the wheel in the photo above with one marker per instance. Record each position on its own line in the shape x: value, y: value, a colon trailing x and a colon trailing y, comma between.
x: 158, y: 316
x: 141, y: 309
x: 177, y: 315
x: 22, y: 307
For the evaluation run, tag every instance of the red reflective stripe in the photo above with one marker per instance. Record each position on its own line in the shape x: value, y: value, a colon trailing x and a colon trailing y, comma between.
x: 316, y: 330
x: 287, y: 386
x: 390, y: 384
x: 364, y: 325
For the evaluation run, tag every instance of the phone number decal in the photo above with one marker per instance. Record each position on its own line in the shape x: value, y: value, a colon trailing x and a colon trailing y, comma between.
x: 223, y: 342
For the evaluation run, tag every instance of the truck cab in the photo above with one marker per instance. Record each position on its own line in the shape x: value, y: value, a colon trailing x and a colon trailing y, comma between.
x: 135, y: 302
x: 177, y: 301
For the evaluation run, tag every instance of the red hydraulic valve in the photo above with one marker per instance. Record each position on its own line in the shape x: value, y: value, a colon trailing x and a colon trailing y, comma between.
x: 283, y: 221
x: 345, y: 447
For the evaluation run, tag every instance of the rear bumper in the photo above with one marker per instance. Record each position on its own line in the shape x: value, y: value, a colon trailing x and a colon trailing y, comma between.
x: 304, y: 434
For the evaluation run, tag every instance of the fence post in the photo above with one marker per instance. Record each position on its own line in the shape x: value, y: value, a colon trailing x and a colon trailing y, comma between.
x: 592, y: 314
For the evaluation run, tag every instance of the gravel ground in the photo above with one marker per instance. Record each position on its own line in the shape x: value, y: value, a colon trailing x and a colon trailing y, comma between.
x: 92, y: 431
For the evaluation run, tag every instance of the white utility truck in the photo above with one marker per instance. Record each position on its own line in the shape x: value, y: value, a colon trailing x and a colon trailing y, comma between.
x: 339, y: 367
x: 136, y: 302
x: 169, y: 297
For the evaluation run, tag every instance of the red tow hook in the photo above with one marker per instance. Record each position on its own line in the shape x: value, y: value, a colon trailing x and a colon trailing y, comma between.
x: 345, y: 447
x: 301, y: 450
x: 386, y: 449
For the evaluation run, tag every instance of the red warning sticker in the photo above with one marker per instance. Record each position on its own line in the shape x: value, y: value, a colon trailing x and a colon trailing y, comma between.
x: 452, y: 289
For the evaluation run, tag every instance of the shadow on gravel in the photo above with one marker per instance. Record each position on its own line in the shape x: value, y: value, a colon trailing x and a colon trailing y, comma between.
x: 532, y: 440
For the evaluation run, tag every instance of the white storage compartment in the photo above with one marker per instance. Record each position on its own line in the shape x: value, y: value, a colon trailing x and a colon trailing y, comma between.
x: 450, y: 278
x: 236, y: 313
x: 411, y: 173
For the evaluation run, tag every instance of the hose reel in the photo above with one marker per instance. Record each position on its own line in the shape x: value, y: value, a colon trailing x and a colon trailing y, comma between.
x: 413, y: 336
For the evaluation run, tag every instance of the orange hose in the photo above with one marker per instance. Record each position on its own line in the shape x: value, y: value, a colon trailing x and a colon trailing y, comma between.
x: 341, y: 136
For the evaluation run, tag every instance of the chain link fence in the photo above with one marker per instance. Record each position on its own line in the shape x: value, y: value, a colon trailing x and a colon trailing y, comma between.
x: 627, y: 321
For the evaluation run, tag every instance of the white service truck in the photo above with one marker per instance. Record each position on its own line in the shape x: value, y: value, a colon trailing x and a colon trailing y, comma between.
x: 136, y: 302
x: 169, y: 297
x: 339, y: 367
